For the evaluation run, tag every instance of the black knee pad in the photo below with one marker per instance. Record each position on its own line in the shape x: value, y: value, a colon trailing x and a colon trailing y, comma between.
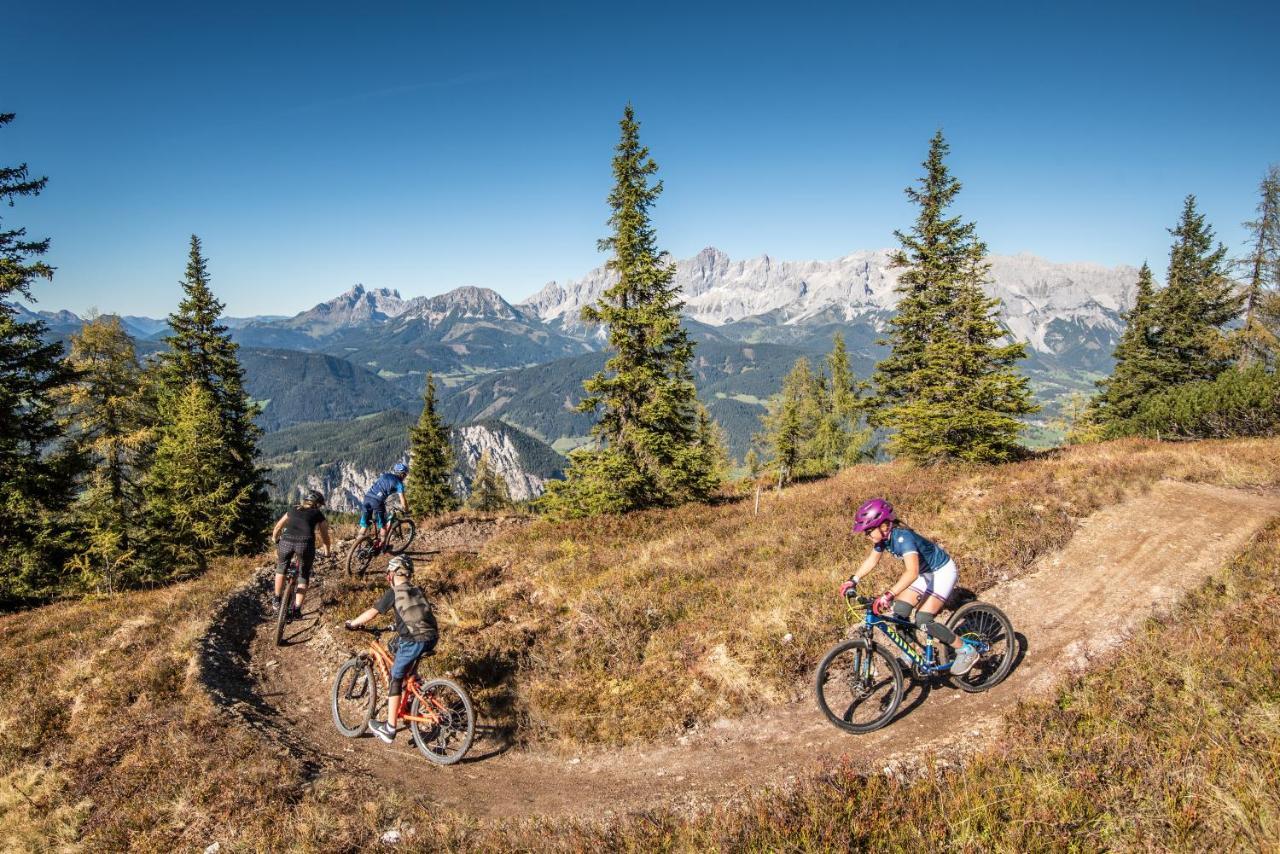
x: 901, y: 609
x: 933, y: 628
x: 395, y: 686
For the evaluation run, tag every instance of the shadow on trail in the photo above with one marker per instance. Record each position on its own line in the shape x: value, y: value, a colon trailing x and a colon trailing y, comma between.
x: 224, y: 656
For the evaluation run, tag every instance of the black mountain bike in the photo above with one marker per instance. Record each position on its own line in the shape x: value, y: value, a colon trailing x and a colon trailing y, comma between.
x: 400, y: 534
x: 286, y: 598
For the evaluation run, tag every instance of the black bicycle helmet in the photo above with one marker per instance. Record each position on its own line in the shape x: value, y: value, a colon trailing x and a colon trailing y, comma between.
x: 314, y: 498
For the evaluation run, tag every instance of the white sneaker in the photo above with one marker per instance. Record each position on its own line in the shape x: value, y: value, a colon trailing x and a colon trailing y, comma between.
x: 382, y: 731
x: 966, y: 657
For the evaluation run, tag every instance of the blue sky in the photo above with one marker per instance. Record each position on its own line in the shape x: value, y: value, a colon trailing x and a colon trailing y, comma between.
x: 426, y: 146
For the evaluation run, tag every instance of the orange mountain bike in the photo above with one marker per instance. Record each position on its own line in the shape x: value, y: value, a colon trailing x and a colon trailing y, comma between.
x: 438, y: 712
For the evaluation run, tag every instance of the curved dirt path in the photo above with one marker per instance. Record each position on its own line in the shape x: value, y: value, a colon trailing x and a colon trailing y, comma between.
x: 1123, y: 563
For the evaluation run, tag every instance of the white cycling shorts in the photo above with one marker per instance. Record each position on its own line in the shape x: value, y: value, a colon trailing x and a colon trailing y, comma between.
x: 937, y: 583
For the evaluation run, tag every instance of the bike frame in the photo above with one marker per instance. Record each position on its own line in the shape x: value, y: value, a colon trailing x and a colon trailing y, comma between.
x: 383, y: 662
x: 890, y: 624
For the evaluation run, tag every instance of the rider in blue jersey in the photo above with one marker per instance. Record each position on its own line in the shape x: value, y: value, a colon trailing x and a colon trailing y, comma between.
x: 374, y: 508
x: 925, y: 583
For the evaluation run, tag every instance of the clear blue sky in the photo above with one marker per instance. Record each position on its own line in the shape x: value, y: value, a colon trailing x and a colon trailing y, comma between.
x: 423, y: 146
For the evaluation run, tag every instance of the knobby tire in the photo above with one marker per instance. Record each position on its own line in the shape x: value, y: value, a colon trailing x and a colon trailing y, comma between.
x: 859, y: 677
x: 355, y: 689
x: 988, y: 623
x: 449, y: 740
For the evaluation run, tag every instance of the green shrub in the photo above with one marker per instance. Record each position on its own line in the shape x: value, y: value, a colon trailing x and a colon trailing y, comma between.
x: 1235, y: 404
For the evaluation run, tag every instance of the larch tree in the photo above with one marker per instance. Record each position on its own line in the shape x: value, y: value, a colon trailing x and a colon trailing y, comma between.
x: 949, y: 389
x: 489, y: 490
x: 1259, y: 335
x: 113, y: 423
x: 200, y: 352
x: 36, y: 476
x: 429, y: 489
x: 648, y: 452
x: 188, y: 489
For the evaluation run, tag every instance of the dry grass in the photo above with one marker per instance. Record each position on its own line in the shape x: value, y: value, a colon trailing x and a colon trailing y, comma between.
x: 635, y: 627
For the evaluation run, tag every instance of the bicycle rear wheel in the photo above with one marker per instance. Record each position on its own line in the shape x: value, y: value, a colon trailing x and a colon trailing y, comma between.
x: 286, y: 603
x: 859, y: 685
x: 361, y: 555
x: 988, y: 624
x: 354, y: 691
x: 448, y: 737
x: 400, y: 535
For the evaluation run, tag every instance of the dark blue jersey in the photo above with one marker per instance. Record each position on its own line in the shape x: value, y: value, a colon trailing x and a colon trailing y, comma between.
x: 904, y: 541
x: 382, y: 488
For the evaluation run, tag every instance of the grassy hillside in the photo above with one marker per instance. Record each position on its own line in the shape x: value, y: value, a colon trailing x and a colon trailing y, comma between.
x: 109, y: 739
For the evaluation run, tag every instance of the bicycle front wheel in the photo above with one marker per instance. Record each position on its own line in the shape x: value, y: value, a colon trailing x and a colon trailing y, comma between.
x: 985, y: 623
x: 282, y: 613
x: 445, y: 736
x: 354, y: 691
x: 360, y: 556
x: 859, y: 686
x: 400, y: 535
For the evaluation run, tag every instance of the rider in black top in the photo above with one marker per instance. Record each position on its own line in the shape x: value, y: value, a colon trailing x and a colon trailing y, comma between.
x: 295, y: 534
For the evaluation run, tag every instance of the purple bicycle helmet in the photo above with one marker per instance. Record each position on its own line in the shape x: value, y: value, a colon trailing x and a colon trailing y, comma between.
x: 871, y: 514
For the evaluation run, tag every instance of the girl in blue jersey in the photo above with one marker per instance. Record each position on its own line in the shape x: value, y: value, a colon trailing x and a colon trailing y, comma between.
x: 925, y: 583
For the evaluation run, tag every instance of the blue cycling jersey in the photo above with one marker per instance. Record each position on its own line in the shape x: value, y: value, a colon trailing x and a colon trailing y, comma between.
x: 382, y: 488
x: 904, y: 541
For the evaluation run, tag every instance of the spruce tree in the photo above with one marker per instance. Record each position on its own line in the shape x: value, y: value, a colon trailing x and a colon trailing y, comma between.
x: 489, y: 490
x: 647, y: 450
x: 1196, y: 304
x: 1135, y: 374
x: 1258, y: 339
x: 112, y: 423
x: 36, y: 477
x: 201, y: 352
x: 949, y: 390
x: 792, y: 420
x: 429, y: 489
x: 188, y: 489
x: 848, y: 408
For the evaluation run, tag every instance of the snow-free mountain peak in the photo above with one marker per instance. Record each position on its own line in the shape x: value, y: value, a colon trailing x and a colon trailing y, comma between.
x: 468, y: 301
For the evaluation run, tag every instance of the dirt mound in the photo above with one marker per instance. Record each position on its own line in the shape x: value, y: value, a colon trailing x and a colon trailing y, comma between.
x: 1122, y: 564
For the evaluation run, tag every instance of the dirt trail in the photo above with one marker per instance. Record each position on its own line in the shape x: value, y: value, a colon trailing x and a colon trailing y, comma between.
x: 1123, y: 563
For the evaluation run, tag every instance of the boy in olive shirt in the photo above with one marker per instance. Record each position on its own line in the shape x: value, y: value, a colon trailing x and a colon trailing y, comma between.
x: 416, y: 634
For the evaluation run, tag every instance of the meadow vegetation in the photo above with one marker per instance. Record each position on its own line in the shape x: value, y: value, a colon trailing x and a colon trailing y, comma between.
x: 631, y: 628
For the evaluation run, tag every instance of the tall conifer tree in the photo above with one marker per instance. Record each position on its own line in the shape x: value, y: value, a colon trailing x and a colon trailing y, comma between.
x: 648, y: 450
x: 1135, y: 374
x: 35, y: 480
x: 1196, y: 304
x: 429, y: 489
x: 949, y: 389
x: 1259, y: 336
x: 113, y: 423
x: 202, y: 353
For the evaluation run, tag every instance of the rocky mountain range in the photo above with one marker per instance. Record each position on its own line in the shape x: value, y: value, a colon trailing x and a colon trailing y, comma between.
x: 367, y: 350
x: 774, y: 299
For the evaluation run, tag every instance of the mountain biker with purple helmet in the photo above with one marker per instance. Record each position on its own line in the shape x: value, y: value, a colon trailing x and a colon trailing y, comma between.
x: 374, y: 508
x: 925, y: 583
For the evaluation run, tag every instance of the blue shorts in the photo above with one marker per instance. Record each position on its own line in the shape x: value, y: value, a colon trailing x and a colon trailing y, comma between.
x: 407, y: 654
x: 373, y: 511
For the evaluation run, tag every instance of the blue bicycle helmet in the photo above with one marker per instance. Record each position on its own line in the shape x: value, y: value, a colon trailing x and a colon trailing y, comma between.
x: 400, y: 469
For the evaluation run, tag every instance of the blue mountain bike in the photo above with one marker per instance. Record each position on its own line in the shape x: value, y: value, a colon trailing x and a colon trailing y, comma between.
x: 860, y: 681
